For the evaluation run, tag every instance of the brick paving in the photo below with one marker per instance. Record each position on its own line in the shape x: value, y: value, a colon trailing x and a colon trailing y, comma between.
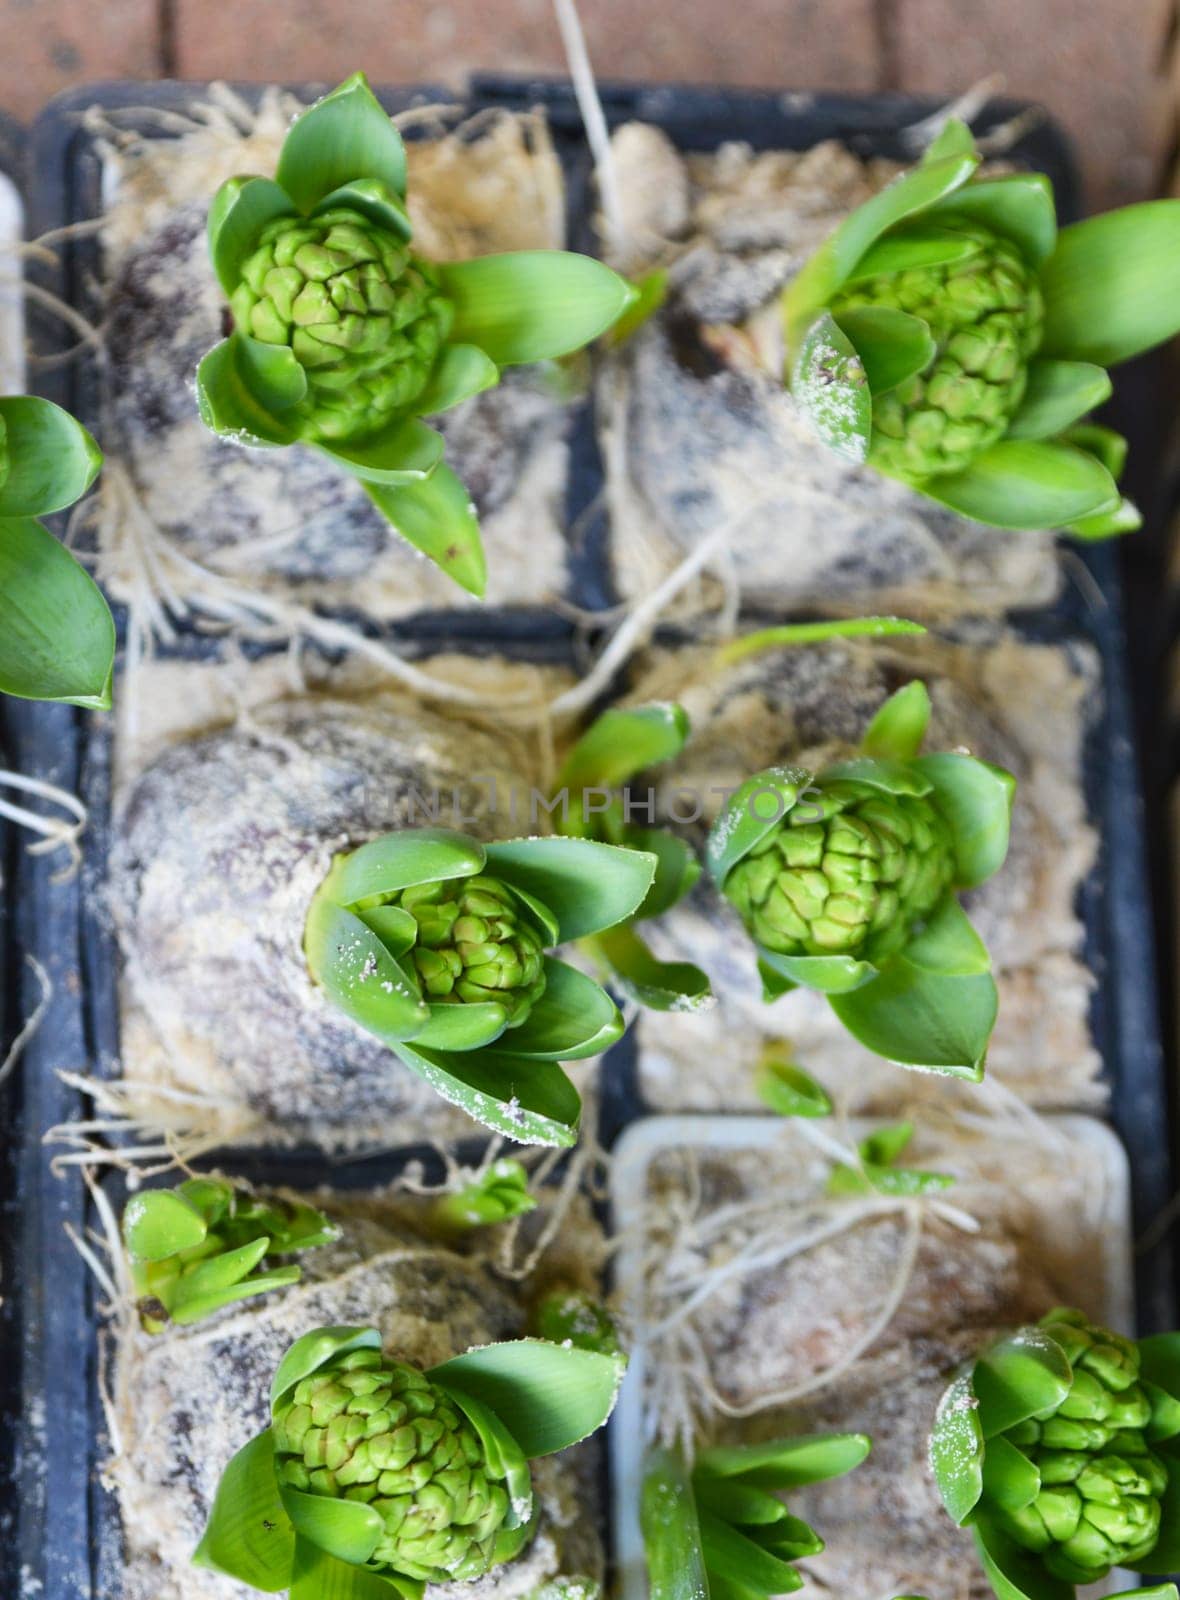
x: 1101, y: 66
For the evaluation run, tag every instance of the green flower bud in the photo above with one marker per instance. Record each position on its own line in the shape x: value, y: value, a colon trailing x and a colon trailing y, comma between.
x: 5, y: 462
x: 1099, y: 1503
x: 365, y: 319
x: 365, y: 1428
x: 854, y: 883
x: 473, y: 945
x: 985, y: 314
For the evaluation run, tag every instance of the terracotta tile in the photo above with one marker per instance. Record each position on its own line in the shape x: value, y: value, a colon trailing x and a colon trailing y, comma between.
x: 1094, y: 63
x: 794, y: 43
x: 50, y: 45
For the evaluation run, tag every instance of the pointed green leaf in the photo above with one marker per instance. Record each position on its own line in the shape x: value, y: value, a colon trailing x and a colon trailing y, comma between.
x: 1165, y: 1410
x: 774, y: 984
x: 241, y: 208
x: 532, y: 305
x: 466, y: 1027
x: 947, y: 943
x: 954, y: 138
x: 658, y: 985
x: 650, y: 293
x: 975, y: 797
x: 671, y: 1531
x: 796, y: 633
x: 375, y: 201
x: 573, y: 1019
x: 189, y: 1306
x: 346, y: 1529
x: 436, y: 515
x: 160, y: 1223
x: 1058, y: 393
x: 359, y: 975
x: 52, y: 460
x: 829, y: 381
x: 827, y: 974
x: 308, y: 1354
x: 729, y: 1551
x: 1010, y: 1481
x: 887, y: 1144
x: 249, y: 1536
x: 344, y: 136
x: 271, y: 372
x: 1019, y: 206
x: 399, y: 861
x: 223, y: 1270
x: 588, y: 886
x: 57, y: 636
x: 405, y: 452
x: 503, y: 1454
x: 677, y: 869
x: 749, y: 814
x: 1027, y: 484
x: 784, y: 1087
x: 788, y: 1463
x: 1112, y: 286
x: 923, y: 1019
x: 1109, y: 447
x: 532, y: 1102
x: 624, y: 741
x: 893, y: 777
x: 1125, y: 518
x: 1018, y: 1377
x: 228, y: 404
x: 892, y: 345
x: 548, y: 1396
x: 1159, y: 1357
x: 462, y: 370
x: 1013, y: 1573
x: 956, y: 1449
x: 899, y: 727
x: 1149, y: 1591
x: 916, y: 246
x: 396, y: 929
x: 319, y: 1576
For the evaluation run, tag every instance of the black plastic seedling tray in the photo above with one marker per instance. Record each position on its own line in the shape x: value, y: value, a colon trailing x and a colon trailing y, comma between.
x: 67, y: 1537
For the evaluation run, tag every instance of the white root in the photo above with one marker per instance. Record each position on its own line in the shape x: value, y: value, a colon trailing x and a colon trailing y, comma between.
x: 593, y: 120
x: 29, y: 1027
x: 54, y: 832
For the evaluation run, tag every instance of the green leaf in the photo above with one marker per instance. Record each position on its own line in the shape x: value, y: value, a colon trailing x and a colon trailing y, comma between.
x: 532, y: 1102
x: 1027, y: 484
x: 249, y: 1535
x: 57, y: 636
x: 344, y: 136
x: 948, y: 944
x: 796, y: 633
x: 573, y: 1019
x: 52, y: 460
x: 531, y: 305
x: 658, y: 985
x: 741, y: 1560
x: 1018, y: 1377
x: 588, y: 886
x: 319, y: 1576
x: 830, y: 266
x: 1109, y: 447
x: 190, y: 1305
x: 954, y: 138
x: 826, y: 974
x: 1112, y: 286
x: 241, y: 208
x: 224, y: 1270
x: 749, y: 814
x: 788, y: 1463
x: 829, y: 381
x: 1164, y: 1557
x: 1149, y: 1591
x: 1058, y: 393
x: 1019, y: 206
x: 227, y: 403
x: 400, y: 861
x: 622, y: 742
x: 916, y: 246
x: 346, y: 1529
x: 160, y: 1223
x: 396, y: 929
x: 893, y: 777
x: 671, y: 1531
x: 975, y: 797
x: 899, y: 727
x: 438, y: 518
x: 503, y: 1454
x: 403, y: 454
x: 374, y: 200
x: 1125, y: 518
x: 359, y: 975
x: 650, y: 293
x: 271, y: 372
x: 923, y: 1019
x: 956, y: 1449
x: 548, y: 1396
x: 783, y: 1086
x: 1165, y: 1410
x: 309, y: 1353
x: 1013, y: 1573
x: 892, y: 345
x: 465, y: 1027
x: 677, y: 869
x: 1010, y: 1481
x: 887, y: 1144
x: 462, y: 370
